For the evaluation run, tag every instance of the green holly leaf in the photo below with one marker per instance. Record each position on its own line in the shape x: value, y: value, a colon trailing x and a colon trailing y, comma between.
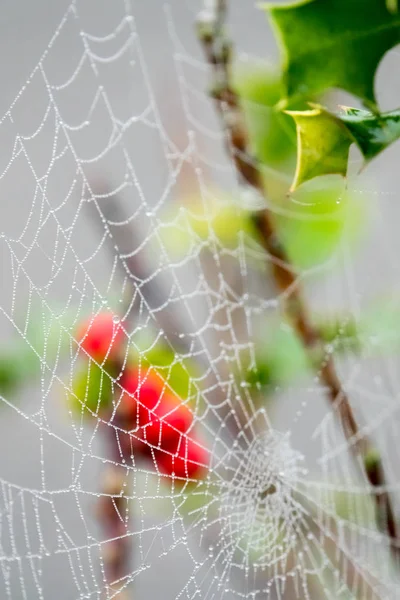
x: 324, y: 139
x: 334, y: 44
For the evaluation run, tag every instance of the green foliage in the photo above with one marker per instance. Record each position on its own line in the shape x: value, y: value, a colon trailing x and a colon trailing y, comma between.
x: 372, y: 133
x: 376, y: 330
x: 351, y: 506
x: 220, y: 219
x: 313, y: 221
x: 18, y: 365
x: 379, y: 327
x: 198, y: 499
x: 372, y: 460
x: 310, y: 223
x: 179, y: 374
x: 392, y: 6
x: 324, y: 139
x: 342, y: 332
x: 272, y: 134
x: 280, y: 357
x: 92, y: 389
x: 334, y: 43
x: 323, y: 145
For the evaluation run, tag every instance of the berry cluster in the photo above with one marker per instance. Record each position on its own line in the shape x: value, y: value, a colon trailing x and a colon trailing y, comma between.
x: 162, y: 425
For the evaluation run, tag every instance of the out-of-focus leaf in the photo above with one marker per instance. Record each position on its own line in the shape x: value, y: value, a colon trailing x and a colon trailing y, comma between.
x: 180, y: 374
x: 342, y: 333
x: 199, y: 499
x: 353, y: 506
x: 92, y: 389
x: 377, y: 329
x: 311, y: 223
x: 324, y: 139
x: 46, y: 340
x: 272, y: 134
x: 314, y: 221
x: 280, y: 357
x: 219, y: 218
x: 333, y: 43
x: 18, y: 364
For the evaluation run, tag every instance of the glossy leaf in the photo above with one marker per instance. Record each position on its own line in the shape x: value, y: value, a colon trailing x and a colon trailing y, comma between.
x: 324, y: 139
x: 371, y: 132
x: 322, y: 145
x: 334, y: 44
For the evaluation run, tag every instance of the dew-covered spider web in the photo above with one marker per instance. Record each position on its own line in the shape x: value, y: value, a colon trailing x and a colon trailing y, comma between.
x: 118, y: 194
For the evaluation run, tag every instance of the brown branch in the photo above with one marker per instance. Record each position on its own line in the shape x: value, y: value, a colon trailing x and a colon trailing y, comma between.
x: 218, y: 53
x: 113, y: 508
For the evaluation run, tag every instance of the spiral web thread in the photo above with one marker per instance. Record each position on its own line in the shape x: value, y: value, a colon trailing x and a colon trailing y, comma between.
x: 282, y: 512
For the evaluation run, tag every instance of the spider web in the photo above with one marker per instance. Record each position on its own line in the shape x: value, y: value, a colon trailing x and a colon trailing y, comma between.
x: 107, y: 155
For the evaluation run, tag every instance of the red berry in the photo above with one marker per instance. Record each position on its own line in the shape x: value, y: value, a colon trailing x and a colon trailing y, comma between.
x: 167, y: 423
x: 100, y: 336
x: 161, y: 417
x: 144, y: 390
x: 189, y: 462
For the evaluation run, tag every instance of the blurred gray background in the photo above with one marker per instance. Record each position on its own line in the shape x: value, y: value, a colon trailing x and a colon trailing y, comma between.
x: 49, y: 467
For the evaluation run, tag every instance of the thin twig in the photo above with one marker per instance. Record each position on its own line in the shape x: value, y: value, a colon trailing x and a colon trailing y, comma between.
x: 113, y: 505
x: 218, y: 52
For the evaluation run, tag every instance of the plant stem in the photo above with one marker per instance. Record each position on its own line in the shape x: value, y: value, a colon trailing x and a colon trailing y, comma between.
x: 112, y: 512
x: 218, y: 53
x: 113, y: 509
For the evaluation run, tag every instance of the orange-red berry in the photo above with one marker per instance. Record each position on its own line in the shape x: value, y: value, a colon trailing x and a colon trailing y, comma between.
x: 191, y: 461
x: 161, y: 417
x: 167, y: 423
x: 100, y: 336
x: 144, y: 388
